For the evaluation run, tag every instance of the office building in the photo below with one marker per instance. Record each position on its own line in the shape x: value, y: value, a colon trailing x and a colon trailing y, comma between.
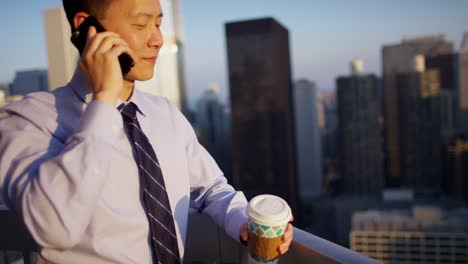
x: 361, y: 154
x: 263, y: 143
x: 426, y: 124
x: 421, y: 235
x: 397, y: 59
x: 213, y: 128
x: 309, y: 159
x: 62, y: 56
x: 29, y: 81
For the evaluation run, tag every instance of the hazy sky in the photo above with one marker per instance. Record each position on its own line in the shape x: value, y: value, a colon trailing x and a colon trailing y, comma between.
x: 324, y: 35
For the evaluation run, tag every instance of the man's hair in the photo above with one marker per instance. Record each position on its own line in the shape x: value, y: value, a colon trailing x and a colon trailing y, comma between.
x: 95, y: 8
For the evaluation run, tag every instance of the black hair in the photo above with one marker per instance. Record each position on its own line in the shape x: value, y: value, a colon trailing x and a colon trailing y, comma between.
x: 95, y: 8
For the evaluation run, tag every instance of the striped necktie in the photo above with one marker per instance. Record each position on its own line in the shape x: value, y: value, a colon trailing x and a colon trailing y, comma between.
x: 153, y: 194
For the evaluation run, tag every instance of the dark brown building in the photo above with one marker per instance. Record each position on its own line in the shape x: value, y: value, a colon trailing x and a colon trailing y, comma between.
x: 360, y: 138
x: 263, y: 144
x: 397, y: 59
x: 426, y: 123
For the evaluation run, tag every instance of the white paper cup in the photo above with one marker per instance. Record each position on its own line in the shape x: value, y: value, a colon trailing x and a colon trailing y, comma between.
x: 268, y: 218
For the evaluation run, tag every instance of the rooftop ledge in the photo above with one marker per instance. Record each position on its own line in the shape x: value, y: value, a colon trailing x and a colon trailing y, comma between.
x: 206, y: 243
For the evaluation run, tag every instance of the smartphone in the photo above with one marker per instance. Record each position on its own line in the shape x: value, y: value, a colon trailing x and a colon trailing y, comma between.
x: 80, y: 36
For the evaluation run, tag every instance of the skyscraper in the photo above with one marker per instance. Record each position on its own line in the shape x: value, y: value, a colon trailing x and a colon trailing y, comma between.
x: 62, y: 56
x: 426, y: 124
x: 397, y: 59
x: 212, y: 126
x: 309, y: 156
x: 263, y: 145
x: 361, y: 159
x: 168, y: 79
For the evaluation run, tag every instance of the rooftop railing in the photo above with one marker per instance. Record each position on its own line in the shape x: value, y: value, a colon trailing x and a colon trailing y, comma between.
x: 206, y: 243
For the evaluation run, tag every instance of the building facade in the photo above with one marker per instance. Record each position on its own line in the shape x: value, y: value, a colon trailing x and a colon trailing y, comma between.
x: 309, y: 158
x: 29, y: 81
x: 62, y: 56
x: 424, y: 235
x: 397, y: 59
x: 360, y: 139
x: 213, y: 128
x: 263, y: 143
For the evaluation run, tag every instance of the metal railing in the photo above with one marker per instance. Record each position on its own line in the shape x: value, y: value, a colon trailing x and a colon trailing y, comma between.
x: 14, y: 236
x: 206, y: 243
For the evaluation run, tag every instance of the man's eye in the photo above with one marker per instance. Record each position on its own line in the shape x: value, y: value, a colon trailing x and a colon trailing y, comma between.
x: 140, y: 26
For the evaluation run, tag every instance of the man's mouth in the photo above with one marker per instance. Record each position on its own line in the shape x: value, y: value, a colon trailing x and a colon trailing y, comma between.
x: 151, y: 60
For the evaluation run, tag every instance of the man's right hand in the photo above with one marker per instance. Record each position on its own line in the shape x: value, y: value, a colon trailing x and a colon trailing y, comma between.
x: 99, y: 63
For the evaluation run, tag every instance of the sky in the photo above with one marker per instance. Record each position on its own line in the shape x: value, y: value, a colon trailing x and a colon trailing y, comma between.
x: 324, y: 35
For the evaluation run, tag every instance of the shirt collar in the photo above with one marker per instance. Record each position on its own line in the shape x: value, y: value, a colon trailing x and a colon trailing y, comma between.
x: 80, y: 86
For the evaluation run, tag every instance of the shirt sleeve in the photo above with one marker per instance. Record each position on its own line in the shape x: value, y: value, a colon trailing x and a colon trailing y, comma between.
x: 55, y: 186
x: 210, y: 192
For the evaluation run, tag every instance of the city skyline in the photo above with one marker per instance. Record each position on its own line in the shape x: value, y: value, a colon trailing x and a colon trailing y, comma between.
x: 324, y: 37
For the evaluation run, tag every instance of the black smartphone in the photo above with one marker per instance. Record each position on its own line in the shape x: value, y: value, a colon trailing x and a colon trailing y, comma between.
x: 80, y: 35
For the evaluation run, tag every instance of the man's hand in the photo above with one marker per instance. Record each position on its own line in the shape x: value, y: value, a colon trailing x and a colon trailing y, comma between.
x: 99, y: 62
x: 287, y: 236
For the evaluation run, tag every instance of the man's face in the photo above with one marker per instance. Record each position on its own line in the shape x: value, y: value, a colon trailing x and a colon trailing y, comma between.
x: 138, y: 23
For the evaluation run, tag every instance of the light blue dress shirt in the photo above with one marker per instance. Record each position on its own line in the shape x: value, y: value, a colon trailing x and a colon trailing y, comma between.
x: 67, y: 168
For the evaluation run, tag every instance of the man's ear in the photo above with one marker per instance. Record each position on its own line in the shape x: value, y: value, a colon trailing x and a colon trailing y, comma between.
x: 79, y: 18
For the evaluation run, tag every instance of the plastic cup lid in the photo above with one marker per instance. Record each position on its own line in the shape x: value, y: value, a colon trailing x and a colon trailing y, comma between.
x: 268, y: 210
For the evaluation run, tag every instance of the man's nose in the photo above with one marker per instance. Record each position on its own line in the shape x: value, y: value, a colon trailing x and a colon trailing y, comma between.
x: 156, y: 38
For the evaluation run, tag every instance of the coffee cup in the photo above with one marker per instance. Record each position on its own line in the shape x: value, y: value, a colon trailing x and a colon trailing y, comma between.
x: 268, y: 218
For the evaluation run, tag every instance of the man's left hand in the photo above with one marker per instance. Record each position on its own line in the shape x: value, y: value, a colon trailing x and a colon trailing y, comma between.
x: 287, y: 237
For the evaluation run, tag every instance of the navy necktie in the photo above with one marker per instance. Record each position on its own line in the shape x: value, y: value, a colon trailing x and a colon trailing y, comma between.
x: 154, y: 197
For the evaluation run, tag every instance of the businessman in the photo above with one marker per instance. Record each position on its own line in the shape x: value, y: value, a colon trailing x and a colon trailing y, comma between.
x: 101, y: 172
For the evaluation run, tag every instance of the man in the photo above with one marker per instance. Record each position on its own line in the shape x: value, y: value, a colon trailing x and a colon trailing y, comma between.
x: 74, y: 167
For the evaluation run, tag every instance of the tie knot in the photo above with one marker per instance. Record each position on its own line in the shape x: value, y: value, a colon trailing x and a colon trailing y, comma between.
x: 129, y: 110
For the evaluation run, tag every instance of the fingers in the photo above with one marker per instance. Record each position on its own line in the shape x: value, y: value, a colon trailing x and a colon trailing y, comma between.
x: 109, y: 42
x: 107, y: 45
x: 95, y: 41
x: 288, y: 234
x: 244, y: 232
x: 117, y: 50
x: 287, y: 240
